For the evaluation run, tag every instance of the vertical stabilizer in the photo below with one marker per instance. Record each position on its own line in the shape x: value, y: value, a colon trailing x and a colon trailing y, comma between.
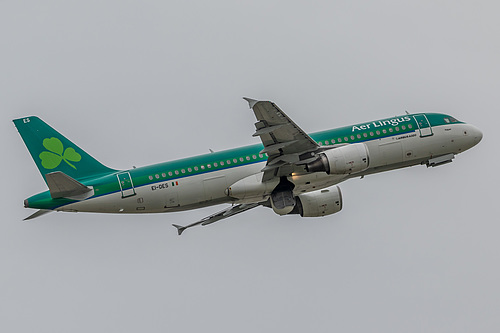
x: 53, y: 152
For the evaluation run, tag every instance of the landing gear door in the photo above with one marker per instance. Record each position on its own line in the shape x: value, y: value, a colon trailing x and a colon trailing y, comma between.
x: 126, y: 184
x: 423, y: 125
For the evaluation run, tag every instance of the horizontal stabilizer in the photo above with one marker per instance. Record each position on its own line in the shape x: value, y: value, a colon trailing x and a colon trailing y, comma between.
x: 63, y: 186
x: 38, y: 214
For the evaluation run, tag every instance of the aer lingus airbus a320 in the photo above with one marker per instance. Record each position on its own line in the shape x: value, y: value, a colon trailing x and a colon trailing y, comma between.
x: 290, y: 172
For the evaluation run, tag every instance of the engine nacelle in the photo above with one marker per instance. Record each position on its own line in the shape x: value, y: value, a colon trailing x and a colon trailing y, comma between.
x: 343, y: 160
x: 319, y: 203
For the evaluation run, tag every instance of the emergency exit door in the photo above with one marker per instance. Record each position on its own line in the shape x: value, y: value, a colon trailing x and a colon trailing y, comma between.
x: 423, y: 125
x: 126, y: 184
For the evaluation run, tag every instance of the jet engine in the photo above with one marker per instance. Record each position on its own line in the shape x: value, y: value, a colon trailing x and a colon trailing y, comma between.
x: 318, y: 203
x: 342, y: 160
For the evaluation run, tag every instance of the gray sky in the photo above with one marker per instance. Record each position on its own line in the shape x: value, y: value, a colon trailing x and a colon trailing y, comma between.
x: 134, y: 83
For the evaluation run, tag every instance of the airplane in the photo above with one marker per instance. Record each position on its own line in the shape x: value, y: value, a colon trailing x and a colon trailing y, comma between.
x: 290, y: 171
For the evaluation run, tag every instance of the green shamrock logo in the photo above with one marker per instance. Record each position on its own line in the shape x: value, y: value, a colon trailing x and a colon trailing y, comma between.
x: 56, y: 154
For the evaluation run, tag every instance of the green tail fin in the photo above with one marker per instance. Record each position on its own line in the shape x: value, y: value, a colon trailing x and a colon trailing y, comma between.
x: 52, y: 152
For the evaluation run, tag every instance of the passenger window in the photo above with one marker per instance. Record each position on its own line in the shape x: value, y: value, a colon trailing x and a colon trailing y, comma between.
x: 157, y: 176
x: 397, y: 129
x: 365, y: 135
x: 409, y: 126
x: 346, y: 139
x: 371, y: 133
x: 183, y: 171
x: 384, y: 131
x: 170, y: 173
x: 164, y: 175
x: 189, y: 169
x: 339, y: 140
x: 228, y: 162
x: 248, y: 158
x: 390, y: 129
x: 241, y: 159
x: 176, y: 172
x: 254, y: 157
x: 216, y: 165
x: 195, y: 168
x: 333, y: 141
x: 202, y: 167
x: 209, y: 166
x: 359, y: 136
x: 150, y: 177
x: 378, y: 132
x: 404, y: 127
x: 235, y: 160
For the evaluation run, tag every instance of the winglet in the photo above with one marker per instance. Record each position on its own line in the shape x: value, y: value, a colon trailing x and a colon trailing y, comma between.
x: 251, y: 102
x: 180, y: 229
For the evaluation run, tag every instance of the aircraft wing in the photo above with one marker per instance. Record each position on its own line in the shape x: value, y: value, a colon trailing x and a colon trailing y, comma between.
x: 225, y: 213
x: 287, y: 146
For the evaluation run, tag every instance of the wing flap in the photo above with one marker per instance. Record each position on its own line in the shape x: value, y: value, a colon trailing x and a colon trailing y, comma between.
x: 277, y: 146
x: 274, y: 126
x: 266, y: 130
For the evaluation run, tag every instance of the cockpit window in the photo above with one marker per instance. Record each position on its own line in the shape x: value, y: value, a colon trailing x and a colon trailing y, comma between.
x: 450, y: 120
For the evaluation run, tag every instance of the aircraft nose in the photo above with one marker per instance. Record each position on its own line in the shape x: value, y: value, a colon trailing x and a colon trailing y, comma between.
x: 476, y: 134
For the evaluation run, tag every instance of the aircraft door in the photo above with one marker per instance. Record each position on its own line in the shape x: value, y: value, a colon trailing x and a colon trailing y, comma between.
x: 126, y: 184
x: 423, y: 125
